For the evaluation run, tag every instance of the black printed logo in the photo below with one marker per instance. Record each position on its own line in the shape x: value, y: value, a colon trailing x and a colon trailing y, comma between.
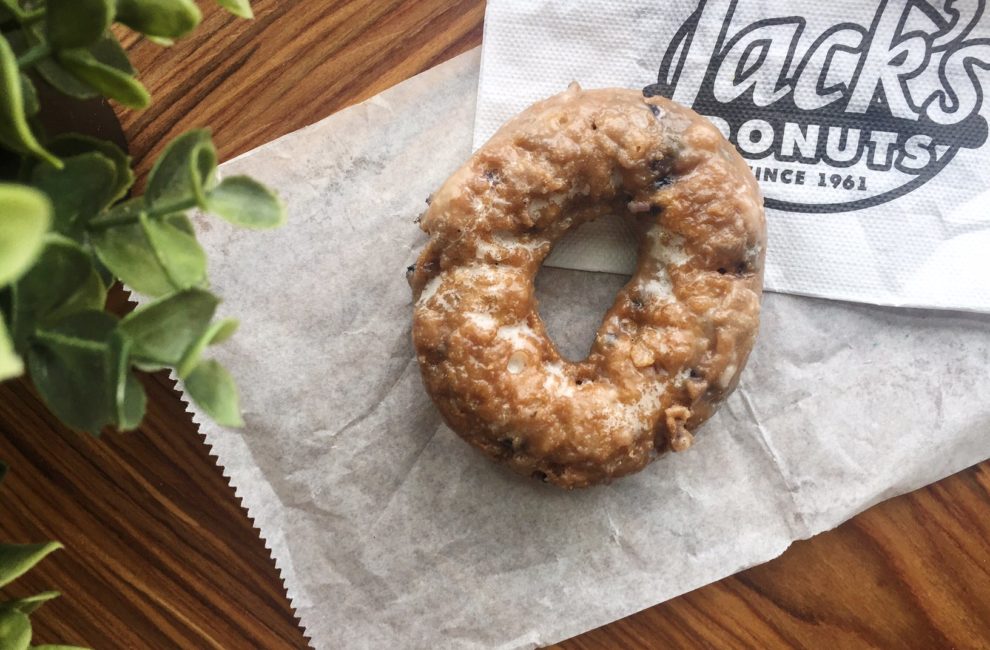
x: 839, y: 111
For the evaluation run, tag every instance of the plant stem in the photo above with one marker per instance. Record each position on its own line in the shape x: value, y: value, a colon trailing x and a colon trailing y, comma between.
x: 33, y: 55
x: 153, y: 212
x: 20, y: 15
x: 71, y: 341
x: 171, y: 208
x: 30, y: 17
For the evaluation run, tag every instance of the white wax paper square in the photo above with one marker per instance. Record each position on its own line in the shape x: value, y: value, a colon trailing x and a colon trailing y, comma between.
x: 390, y: 532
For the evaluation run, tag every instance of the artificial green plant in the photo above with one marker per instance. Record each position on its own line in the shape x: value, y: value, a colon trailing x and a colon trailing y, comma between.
x: 71, y: 226
x: 66, y: 220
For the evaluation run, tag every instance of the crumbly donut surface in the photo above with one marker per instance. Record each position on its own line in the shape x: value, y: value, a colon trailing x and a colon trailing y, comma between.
x: 675, y: 340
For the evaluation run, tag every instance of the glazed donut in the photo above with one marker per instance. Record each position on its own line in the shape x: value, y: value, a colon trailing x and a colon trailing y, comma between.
x: 674, y: 342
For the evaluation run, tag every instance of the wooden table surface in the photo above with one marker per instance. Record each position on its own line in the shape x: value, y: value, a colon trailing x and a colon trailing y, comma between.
x: 159, y: 553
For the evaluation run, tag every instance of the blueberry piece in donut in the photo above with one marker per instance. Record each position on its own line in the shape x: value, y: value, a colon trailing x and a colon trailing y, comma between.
x: 671, y: 347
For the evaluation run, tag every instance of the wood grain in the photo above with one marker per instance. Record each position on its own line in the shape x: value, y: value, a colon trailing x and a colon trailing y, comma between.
x: 161, y: 555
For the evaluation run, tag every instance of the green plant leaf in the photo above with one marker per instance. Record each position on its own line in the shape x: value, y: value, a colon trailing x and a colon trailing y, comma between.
x: 92, y: 295
x: 15, y: 630
x: 108, y: 80
x: 163, y: 330
x: 30, y: 603
x: 128, y: 398
x: 159, y: 40
x: 76, y: 23
x: 153, y: 257
x: 159, y: 18
x: 180, y: 255
x: 17, y: 559
x: 213, y: 390
x: 222, y: 330
x: 30, y: 96
x: 61, y: 270
x: 129, y: 250
x: 10, y: 364
x: 127, y: 253
x: 240, y: 8
x: 216, y: 333
x: 84, y: 186
x: 106, y: 50
x: 185, y: 162
x: 27, y: 214
x: 74, y: 144
x: 73, y: 367
x: 245, y: 202
x: 15, y: 133
x: 131, y: 402
x: 180, y: 221
x: 64, y: 81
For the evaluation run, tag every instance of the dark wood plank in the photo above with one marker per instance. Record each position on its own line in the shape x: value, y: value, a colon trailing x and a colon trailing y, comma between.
x: 295, y: 63
x: 161, y: 555
x: 158, y: 551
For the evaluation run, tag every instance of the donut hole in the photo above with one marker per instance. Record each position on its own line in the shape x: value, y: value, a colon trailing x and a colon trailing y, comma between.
x: 573, y: 303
